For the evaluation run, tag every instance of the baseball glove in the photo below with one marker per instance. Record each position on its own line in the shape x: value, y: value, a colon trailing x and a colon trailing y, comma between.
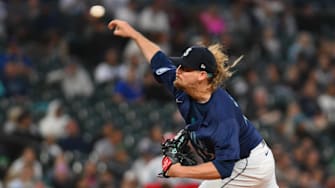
x: 177, y: 150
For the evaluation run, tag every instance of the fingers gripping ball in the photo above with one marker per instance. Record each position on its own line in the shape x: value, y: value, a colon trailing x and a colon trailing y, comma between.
x: 177, y: 150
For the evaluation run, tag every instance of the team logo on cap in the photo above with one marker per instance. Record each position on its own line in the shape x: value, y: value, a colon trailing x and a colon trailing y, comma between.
x: 187, y: 52
x: 203, y: 66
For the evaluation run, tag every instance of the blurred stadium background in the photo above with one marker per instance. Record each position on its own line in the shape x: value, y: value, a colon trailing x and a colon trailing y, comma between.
x: 79, y: 108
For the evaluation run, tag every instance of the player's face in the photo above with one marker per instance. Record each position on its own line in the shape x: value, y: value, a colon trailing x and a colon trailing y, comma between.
x: 186, y: 78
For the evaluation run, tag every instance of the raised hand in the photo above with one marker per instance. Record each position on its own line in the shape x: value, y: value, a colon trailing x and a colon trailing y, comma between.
x: 122, y: 28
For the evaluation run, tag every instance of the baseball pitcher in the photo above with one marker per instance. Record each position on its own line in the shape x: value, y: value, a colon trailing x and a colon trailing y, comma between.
x: 231, y: 151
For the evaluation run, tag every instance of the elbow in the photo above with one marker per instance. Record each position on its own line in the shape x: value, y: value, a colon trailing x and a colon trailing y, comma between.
x: 225, y: 168
x: 225, y: 173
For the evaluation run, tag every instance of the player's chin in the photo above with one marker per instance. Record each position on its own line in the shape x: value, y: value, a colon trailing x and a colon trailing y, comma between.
x: 177, y: 84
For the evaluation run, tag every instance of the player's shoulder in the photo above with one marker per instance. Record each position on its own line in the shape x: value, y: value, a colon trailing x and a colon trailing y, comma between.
x: 223, y: 101
x: 221, y: 90
x: 220, y: 95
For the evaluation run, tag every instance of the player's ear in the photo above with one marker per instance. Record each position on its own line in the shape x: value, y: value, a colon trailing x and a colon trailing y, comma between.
x: 202, y: 75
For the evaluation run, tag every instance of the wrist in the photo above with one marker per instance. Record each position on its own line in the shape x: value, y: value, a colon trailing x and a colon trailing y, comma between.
x: 136, y: 35
x: 167, y: 173
x: 173, y: 170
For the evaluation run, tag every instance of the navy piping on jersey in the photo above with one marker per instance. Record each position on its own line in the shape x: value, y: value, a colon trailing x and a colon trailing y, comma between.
x: 246, y: 165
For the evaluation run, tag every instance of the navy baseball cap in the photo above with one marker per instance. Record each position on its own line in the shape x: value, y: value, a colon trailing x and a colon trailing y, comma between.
x: 196, y: 58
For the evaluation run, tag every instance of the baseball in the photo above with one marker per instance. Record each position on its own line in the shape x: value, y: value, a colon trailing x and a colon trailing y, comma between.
x: 97, y: 11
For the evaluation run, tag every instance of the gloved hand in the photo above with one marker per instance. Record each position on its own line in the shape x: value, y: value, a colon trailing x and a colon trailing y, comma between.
x: 176, y: 150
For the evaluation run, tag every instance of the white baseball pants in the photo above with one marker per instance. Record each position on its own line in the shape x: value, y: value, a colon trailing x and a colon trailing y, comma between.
x: 258, y: 170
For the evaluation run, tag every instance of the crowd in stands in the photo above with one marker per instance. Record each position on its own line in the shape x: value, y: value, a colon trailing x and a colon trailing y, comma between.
x: 80, y: 108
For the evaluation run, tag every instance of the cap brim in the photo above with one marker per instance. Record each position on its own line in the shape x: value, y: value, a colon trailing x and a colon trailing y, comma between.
x: 176, y: 61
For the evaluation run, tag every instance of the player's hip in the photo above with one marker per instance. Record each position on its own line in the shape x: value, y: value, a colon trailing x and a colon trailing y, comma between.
x: 258, y: 170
